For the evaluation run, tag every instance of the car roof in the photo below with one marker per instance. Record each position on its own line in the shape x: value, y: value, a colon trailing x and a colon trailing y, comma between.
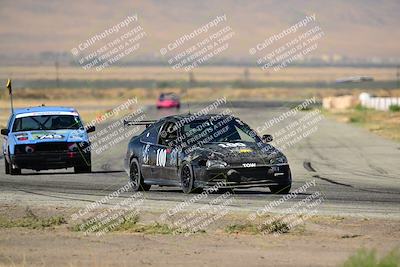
x: 168, y: 95
x: 42, y: 109
x: 193, y: 117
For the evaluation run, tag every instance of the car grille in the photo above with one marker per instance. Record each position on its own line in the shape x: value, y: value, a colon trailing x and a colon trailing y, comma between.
x: 253, y: 174
x: 43, y: 147
x: 51, y: 146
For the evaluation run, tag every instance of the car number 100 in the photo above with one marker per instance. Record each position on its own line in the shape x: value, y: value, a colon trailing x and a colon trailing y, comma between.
x: 161, y: 157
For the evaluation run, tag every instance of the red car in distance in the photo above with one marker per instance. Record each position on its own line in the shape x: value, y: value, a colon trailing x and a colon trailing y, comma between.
x: 168, y: 100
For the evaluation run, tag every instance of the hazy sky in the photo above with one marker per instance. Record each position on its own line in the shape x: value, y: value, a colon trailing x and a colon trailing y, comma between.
x: 352, y: 28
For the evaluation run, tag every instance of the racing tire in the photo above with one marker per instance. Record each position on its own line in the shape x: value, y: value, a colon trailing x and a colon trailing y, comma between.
x: 136, y: 178
x: 226, y: 190
x: 280, y: 189
x: 187, y: 178
x: 85, y: 167
x: 6, y: 166
x: 14, y: 171
x: 284, y: 187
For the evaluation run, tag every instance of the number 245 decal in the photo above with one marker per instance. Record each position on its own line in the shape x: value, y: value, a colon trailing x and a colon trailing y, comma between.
x: 161, y: 157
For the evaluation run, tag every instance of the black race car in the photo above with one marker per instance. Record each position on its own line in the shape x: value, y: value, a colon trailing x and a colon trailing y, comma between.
x: 196, y: 152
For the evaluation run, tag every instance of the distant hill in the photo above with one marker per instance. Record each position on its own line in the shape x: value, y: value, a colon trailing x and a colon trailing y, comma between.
x: 356, y: 29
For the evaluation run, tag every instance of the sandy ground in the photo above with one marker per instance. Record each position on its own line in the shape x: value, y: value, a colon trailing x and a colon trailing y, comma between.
x: 321, y: 241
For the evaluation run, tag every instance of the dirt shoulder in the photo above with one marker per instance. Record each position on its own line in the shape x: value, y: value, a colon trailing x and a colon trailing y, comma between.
x: 319, y: 241
x: 382, y: 123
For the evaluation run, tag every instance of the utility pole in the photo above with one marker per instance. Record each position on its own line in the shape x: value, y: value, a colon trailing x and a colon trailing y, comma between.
x: 246, y: 75
x: 56, y: 64
x: 398, y: 77
x: 192, y: 80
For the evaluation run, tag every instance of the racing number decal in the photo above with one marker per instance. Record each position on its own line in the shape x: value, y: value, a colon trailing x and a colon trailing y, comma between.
x: 51, y: 136
x: 227, y: 145
x: 161, y: 157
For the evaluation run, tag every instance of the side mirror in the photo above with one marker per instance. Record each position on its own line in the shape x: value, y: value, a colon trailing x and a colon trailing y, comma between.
x: 4, y: 131
x: 267, y: 138
x: 90, y: 129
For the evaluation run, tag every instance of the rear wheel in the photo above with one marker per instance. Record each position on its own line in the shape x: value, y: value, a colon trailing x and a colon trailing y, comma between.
x: 135, y: 177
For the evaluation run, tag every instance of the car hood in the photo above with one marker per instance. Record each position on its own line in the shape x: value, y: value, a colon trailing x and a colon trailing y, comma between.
x: 33, y: 137
x: 241, y: 152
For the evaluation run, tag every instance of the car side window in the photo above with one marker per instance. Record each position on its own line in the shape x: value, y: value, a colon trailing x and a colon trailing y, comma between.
x: 168, y: 134
x: 151, y: 134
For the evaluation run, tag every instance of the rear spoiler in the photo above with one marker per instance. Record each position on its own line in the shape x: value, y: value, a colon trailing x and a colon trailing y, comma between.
x: 146, y: 123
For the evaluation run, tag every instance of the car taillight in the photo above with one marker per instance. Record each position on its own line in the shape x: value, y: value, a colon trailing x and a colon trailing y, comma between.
x: 23, y: 138
x: 72, y: 147
x: 29, y: 149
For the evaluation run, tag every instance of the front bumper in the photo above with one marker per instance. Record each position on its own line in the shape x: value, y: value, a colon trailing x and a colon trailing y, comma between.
x: 241, y: 177
x: 50, y: 160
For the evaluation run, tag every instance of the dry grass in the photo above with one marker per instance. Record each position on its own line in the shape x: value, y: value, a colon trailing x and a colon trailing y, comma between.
x: 294, y: 74
x: 385, y: 124
x: 32, y: 221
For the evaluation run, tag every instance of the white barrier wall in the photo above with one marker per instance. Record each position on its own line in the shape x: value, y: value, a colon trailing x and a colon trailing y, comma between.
x: 379, y: 103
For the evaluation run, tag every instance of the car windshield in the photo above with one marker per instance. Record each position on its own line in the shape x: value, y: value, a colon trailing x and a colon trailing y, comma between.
x: 228, y: 129
x: 47, y: 122
x: 168, y: 97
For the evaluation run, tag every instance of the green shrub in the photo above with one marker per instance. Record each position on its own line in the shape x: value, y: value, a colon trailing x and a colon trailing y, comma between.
x: 368, y: 258
x: 359, y: 107
x: 32, y: 222
x: 357, y: 118
x: 276, y: 226
x: 394, y: 108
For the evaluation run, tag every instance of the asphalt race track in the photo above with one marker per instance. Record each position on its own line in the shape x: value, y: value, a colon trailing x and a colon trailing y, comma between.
x: 356, y: 171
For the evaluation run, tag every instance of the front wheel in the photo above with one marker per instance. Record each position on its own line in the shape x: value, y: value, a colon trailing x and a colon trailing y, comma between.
x: 6, y: 166
x: 280, y: 189
x: 84, y: 167
x: 187, y: 178
x: 284, y: 187
x: 14, y: 171
x: 135, y: 177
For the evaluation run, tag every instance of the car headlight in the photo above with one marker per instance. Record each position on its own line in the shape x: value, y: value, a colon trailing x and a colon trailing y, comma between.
x: 211, y: 163
x: 278, y: 160
x: 72, y: 147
